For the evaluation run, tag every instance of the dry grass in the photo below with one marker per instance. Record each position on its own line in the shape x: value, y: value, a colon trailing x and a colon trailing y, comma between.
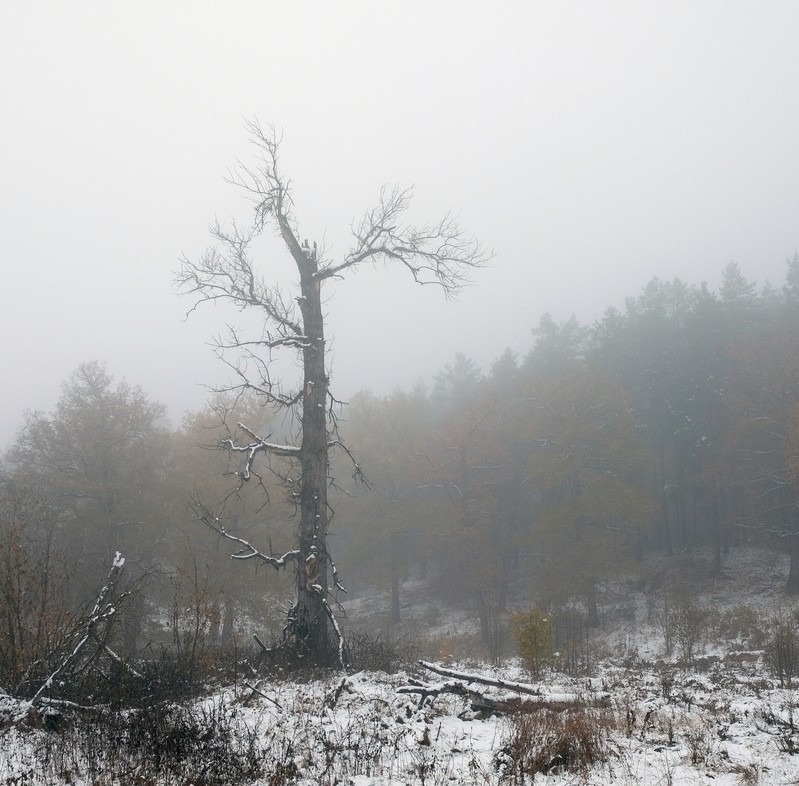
x: 545, y: 741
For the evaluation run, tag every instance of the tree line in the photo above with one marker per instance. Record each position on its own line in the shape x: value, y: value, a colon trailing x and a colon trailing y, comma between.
x: 669, y: 426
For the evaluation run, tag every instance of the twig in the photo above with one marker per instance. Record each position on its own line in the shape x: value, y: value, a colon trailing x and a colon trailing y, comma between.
x: 263, y: 695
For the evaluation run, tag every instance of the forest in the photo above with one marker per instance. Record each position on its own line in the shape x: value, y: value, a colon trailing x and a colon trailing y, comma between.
x: 144, y: 566
x: 670, y: 427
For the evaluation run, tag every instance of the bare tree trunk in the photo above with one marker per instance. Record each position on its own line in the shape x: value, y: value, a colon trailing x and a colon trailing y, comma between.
x: 312, y: 621
x: 396, y: 568
x: 395, y: 598
x: 793, y: 576
x: 593, y: 609
x: 664, y: 506
x: 503, y: 578
x: 227, y: 621
x: 717, y: 518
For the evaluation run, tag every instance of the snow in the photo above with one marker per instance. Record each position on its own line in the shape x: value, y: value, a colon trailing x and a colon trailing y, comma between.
x: 725, y: 722
x: 715, y: 727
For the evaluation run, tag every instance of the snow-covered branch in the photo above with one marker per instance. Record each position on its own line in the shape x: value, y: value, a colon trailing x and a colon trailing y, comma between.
x: 104, y: 609
x: 258, y: 445
x: 516, y: 687
x: 339, y: 633
x: 246, y: 550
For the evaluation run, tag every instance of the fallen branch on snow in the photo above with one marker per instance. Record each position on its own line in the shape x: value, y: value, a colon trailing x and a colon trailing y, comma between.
x: 460, y: 684
x: 494, y: 682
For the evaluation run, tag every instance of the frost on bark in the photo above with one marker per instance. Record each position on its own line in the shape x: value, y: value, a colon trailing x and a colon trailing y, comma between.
x: 433, y: 254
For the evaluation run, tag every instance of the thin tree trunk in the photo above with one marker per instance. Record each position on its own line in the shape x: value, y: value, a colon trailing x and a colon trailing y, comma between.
x: 593, y: 609
x: 227, y: 621
x: 664, y: 507
x: 395, y: 597
x: 395, y: 577
x: 793, y: 576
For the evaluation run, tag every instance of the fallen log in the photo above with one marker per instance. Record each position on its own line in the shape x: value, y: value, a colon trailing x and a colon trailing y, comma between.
x: 477, y: 701
x: 461, y: 684
x: 494, y: 682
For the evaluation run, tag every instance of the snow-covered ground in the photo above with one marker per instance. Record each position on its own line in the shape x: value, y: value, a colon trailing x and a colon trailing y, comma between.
x: 651, y: 720
x: 720, y: 727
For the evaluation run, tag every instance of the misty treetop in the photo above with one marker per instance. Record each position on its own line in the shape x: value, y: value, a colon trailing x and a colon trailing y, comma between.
x: 670, y: 425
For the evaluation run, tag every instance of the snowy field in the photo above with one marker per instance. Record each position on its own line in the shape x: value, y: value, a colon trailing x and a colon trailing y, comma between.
x: 723, y: 726
x: 641, y: 717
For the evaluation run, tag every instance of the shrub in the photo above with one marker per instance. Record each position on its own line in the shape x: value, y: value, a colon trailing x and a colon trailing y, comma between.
x: 161, y: 743
x: 544, y: 741
x: 373, y: 653
x: 742, y: 625
x: 533, y: 633
x: 782, y: 649
x: 683, y: 623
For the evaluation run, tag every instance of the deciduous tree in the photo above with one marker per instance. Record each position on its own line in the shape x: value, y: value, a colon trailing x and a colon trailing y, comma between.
x: 591, y: 508
x: 97, y: 459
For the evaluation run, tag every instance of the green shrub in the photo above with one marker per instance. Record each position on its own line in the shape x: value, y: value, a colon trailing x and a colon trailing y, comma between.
x: 533, y: 633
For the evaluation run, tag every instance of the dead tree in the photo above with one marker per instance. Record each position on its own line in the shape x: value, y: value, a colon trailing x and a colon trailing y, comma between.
x: 437, y: 254
x: 79, y: 656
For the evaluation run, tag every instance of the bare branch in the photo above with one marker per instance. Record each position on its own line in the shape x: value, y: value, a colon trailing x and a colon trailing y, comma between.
x: 334, y: 622
x: 357, y: 469
x: 265, y: 388
x: 246, y: 551
x: 264, y: 184
x: 437, y: 253
x: 226, y: 273
x: 258, y: 445
x: 104, y: 609
x: 517, y: 687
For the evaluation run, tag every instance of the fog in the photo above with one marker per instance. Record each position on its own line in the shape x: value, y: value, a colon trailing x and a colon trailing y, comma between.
x: 591, y: 146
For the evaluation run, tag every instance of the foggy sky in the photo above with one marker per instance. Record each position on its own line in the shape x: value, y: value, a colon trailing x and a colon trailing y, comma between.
x: 592, y: 146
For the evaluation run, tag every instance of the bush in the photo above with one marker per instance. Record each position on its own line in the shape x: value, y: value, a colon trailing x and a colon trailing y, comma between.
x: 533, y: 633
x: 741, y: 625
x: 162, y: 743
x: 544, y: 741
x: 373, y: 653
x: 683, y: 623
x: 782, y: 650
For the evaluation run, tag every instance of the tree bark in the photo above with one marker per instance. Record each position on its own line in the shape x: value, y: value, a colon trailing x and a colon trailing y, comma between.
x: 312, y: 623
